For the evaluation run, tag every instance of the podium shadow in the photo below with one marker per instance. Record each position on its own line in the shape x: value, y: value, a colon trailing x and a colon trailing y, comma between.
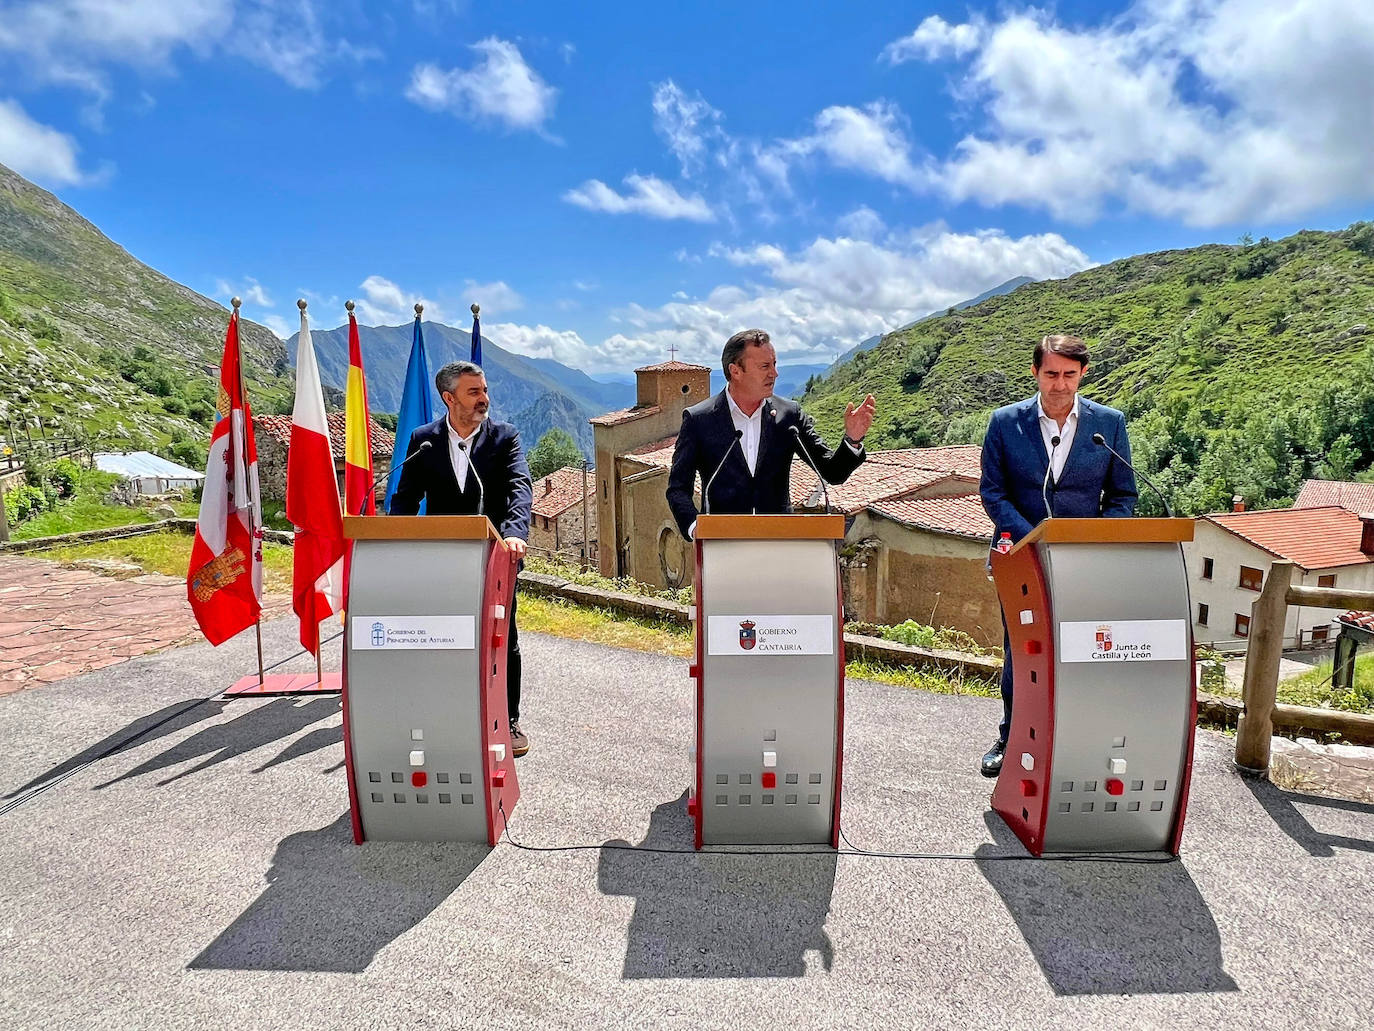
x: 717, y: 914
x: 1282, y: 808
x: 330, y: 905
x: 168, y: 720
x: 1099, y: 928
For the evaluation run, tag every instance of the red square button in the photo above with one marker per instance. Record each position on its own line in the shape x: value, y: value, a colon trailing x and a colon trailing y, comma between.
x: 418, y: 778
x: 1115, y: 787
x: 769, y: 780
x: 1028, y: 789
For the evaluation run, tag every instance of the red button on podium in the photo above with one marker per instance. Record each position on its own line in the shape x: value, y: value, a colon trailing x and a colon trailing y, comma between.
x: 769, y: 780
x: 1115, y: 787
x: 418, y: 778
x: 1028, y: 789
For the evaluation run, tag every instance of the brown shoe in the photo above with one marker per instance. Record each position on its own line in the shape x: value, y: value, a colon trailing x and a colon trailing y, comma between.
x: 519, y: 743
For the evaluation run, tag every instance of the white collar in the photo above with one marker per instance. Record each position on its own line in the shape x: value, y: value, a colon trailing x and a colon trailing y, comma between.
x: 758, y: 412
x: 455, y: 435
x: 1040, y: 409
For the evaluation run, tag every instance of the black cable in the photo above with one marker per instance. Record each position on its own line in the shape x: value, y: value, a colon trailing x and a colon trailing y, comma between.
x: 38, y: 789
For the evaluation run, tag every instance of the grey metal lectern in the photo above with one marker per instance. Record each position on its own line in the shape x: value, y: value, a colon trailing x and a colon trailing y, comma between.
x: 426, y: 734
x: 769, y: 675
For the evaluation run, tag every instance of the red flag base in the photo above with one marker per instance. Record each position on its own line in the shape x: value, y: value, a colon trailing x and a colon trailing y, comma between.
x: 286, y: 683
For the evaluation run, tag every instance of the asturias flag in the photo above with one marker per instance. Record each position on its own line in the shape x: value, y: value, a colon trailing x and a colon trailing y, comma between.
x: 312, y: 502
x: 224, y: 578
x: 417, y: 409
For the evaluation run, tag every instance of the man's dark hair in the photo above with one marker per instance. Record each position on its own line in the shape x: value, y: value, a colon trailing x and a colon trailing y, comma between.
x: 447, y: 377
x: 734, y: 348
x: 1066, y: 346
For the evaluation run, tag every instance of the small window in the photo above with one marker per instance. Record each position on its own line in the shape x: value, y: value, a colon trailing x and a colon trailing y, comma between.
x: 1320, y: 633
x: 1207, y: 568
x: 1242, y: 625
x: 1251, y: 579
x: 1327, y: 580
x: 1201, y: 614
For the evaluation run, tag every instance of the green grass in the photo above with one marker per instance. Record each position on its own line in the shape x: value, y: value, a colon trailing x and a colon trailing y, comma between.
x: 1314, y: 687
x: 170, y: 553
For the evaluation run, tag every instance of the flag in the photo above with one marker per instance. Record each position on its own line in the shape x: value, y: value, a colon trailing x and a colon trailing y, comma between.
x: 358, y: 499
x: 224, y: 578
x: 417, y: 409
x: 312, y: 502
x: 476, y: 338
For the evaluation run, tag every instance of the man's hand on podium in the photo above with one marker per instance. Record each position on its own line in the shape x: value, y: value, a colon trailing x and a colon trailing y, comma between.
x: 516, y: 545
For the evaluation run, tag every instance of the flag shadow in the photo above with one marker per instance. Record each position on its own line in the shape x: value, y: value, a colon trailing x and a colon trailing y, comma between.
x: 1282, y: 807
x: 717, y: 914
x: 1102, y: 928
x: 330, y: 906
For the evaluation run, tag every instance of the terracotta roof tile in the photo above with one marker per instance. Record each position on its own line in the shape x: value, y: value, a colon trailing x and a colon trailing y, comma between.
x: 1313, y: 538
x: 960, y: 514
x: 964, y: 459
x: 1363, y: 620
x: 674, y: 367
x: 624, y: 415
x: 278, y: 428
x: 559, y: 491
x: 1353, y: 497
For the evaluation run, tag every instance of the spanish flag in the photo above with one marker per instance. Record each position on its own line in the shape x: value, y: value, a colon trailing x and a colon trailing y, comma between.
x: 359, y: 498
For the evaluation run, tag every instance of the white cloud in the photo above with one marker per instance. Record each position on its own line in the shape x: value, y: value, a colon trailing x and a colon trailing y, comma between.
x: 585, y: 285
x: 688, y: 124
x: 1217, y: 112
x: 384, y: 303
x: 37, y: 151
x: 863, y: 223
x: 647, y: 195
x: 251, y: 291
x: 932, y: 39
x: 500, y: 88
x: 278, y: 325
x: 494, y: 298
x: 566, y: 345
x: 871, y: 141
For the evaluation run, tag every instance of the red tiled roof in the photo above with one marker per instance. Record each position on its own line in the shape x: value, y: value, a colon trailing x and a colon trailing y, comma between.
x: 278, y: 428
x: 1353, y: 497
x: 1313, y: 538
x: 559, y: 491
x: 1363, y: 620
x: 960, y: 514
x: 623, y: 416
x: 963, y: 459
x: 674, y: 367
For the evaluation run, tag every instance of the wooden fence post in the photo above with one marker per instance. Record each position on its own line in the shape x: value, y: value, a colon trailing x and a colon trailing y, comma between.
x: 1260, y: 691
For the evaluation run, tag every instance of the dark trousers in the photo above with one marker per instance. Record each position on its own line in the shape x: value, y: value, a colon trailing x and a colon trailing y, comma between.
x: 513, y: 664
x: 1004, y: 728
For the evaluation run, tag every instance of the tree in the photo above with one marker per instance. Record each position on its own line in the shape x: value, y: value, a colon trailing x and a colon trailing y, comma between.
x: 555, y: 449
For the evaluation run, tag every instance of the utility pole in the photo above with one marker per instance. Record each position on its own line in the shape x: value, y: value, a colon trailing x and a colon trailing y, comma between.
x: 586, y: 527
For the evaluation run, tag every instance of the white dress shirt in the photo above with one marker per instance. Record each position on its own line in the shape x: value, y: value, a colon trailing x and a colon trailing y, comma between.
x: 751, y: 426
x: 457, y: 455
x: 1049, y: 429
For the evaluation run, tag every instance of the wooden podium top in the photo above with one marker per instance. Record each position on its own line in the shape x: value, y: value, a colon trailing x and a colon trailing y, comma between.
x: 1109, y: 531
x: 419, y: 528
x: 770, y: 527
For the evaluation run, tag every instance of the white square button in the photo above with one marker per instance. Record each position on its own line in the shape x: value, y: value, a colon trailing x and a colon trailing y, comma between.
x: 770, y: 759
x: 498, y: 752
x: 417, y: 758
x: 1027, y: 761
x: 1117, y: 766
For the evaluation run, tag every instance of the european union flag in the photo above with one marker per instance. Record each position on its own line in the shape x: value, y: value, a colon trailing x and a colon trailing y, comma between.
x: 417, y: 409
x: 476, y: 338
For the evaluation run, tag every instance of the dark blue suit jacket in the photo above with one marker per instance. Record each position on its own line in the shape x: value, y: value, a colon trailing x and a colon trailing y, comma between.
x: 1093, y: 483
x: 500, y: 463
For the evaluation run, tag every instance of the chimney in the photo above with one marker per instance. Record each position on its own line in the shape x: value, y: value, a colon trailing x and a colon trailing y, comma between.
x: 548, y: 486
x: 1367, y: 533
x: 1237, y: 502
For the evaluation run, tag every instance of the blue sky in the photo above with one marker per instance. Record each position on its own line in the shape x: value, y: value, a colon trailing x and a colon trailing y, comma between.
x: 609, y: 182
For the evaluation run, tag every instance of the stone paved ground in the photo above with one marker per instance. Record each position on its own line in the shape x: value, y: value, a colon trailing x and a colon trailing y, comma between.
x: 57, y: 622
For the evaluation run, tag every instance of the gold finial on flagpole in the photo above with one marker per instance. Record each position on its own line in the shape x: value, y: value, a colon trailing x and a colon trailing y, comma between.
x: 349, y: 306
x: 301, y: 304
x: 419, y: 310
x: 235, y: 302
x: 475, y: 309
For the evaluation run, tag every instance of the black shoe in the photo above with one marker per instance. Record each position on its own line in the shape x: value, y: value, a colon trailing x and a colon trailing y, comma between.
x: 992, y: 762
x: 519, y: 743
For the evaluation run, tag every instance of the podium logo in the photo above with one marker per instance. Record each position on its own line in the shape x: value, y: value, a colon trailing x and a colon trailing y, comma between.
x: 747, y: 640
x: 379, y: 635
x: 1104, y: 637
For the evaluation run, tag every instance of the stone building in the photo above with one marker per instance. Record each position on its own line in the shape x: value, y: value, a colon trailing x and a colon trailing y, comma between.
x: 273, y: 436
x: 556, y: 515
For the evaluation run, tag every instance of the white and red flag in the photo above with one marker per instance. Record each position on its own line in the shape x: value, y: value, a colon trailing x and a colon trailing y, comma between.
x: 224, y: 578
x: 312, y: 502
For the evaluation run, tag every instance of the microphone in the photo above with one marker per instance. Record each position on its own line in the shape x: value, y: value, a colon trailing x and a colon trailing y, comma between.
x: 825, y: 492
x: 472, y: 468
x: 1101, y: 441
x: 706, y: 494
x: 1045, y: 487
x: 424, y: 445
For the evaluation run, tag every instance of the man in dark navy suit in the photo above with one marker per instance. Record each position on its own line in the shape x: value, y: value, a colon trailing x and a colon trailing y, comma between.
x: 472, y: 465
x: 741, y: 441
x: 1052, y: 431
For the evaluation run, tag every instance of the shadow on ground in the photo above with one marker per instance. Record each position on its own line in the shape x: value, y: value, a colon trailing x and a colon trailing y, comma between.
x: 717, y: 914
x: 1103, y: 928
x: 1282, y: 807
x: 331, y: 906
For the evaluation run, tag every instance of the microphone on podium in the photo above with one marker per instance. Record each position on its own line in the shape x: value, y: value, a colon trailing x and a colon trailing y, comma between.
x: 825, y: 491
x: 481, y: 487
x: 1101, y: 441
x: 706, y: 494
x: 424, y: 445
x: 1045, y: 487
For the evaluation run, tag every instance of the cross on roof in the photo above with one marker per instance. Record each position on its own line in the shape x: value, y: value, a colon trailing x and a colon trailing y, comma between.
x: 672, y: 352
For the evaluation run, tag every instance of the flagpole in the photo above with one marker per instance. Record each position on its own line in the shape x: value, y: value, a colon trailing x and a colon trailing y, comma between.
x: 252, y: 515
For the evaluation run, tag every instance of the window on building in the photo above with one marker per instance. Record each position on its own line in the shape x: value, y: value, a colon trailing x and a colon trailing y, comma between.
x: 1319, y: 633
x: 1242, y: 625
x: 1251, y: 579
x: 1201, y: 614
x: 1207, y: 569
x: 1327, y: 580
x: 546, y: 522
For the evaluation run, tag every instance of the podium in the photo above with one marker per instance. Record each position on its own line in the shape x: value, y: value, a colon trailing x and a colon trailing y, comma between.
x: 426, y: 733
x: 769, y: 675
x: 1104, y: 702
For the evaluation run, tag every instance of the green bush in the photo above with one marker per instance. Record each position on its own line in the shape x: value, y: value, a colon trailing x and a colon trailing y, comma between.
x: 65, y: 475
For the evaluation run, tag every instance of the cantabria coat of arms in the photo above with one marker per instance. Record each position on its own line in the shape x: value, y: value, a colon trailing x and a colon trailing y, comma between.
x: 747, y: 640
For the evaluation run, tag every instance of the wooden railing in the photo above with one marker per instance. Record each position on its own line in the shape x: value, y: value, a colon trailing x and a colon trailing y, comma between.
x: 1260, y: 690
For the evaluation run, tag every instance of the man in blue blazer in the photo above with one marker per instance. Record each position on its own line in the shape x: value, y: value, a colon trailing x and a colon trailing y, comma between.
x: 463, y: 464
x: 741, y: 441
x: 1052, y: 433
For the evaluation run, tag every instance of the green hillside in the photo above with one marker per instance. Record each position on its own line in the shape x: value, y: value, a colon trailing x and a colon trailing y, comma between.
x: 99, y: 345
x: 1242, y: 369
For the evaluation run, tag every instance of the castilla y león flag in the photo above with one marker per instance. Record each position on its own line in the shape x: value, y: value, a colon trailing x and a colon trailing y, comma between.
x: 224, y: 578
x: 312, y: 502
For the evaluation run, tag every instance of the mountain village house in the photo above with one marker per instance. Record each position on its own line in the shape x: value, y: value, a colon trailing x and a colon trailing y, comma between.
x: 556, y: 515
x: 273, y: 436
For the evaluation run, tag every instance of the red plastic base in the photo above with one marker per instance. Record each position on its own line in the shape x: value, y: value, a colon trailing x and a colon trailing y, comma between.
x: 285, y: 683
